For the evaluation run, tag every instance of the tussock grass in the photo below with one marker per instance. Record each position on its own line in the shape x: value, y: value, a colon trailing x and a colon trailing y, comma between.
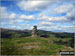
x: 29, y: 46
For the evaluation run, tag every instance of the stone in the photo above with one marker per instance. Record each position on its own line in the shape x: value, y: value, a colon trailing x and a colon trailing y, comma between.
x: 34, y: 31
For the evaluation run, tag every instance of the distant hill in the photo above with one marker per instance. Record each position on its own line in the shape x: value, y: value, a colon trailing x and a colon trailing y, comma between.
x: 7, y: 33
x: 26, y: 32
x: 12, y: 30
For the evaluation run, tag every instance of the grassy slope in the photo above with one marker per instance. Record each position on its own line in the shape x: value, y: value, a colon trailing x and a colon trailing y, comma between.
x: 30, y: 46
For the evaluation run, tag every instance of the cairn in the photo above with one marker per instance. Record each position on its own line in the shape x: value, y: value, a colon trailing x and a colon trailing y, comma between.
x: 34, y: 31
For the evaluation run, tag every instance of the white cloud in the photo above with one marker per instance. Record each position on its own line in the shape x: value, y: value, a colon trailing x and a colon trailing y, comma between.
x: 4, y: 13
x: 53, y: 19
x: 71, y: 15
x: 19, y: 20
x: 35, y: 5
x: 8, y: 23
x: 12, y: 16
x: 12, y: 27
x: 49, y: 28
x: 57, y: 28
x: 30, y: 17
x: 68, y: 28
x: 67, y: 9
x: 43, y: 23
x: 60, y: 19
x: 24, y: 26
x: 64, y: 8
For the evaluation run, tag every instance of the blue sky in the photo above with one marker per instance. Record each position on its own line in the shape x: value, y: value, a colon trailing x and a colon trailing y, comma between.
x: 49, y: 15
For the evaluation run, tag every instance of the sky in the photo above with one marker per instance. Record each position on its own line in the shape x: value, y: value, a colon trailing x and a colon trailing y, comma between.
x: 49, y: 15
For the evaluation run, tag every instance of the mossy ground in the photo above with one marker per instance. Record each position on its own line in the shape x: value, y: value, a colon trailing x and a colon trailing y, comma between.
x: 29, y: 46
